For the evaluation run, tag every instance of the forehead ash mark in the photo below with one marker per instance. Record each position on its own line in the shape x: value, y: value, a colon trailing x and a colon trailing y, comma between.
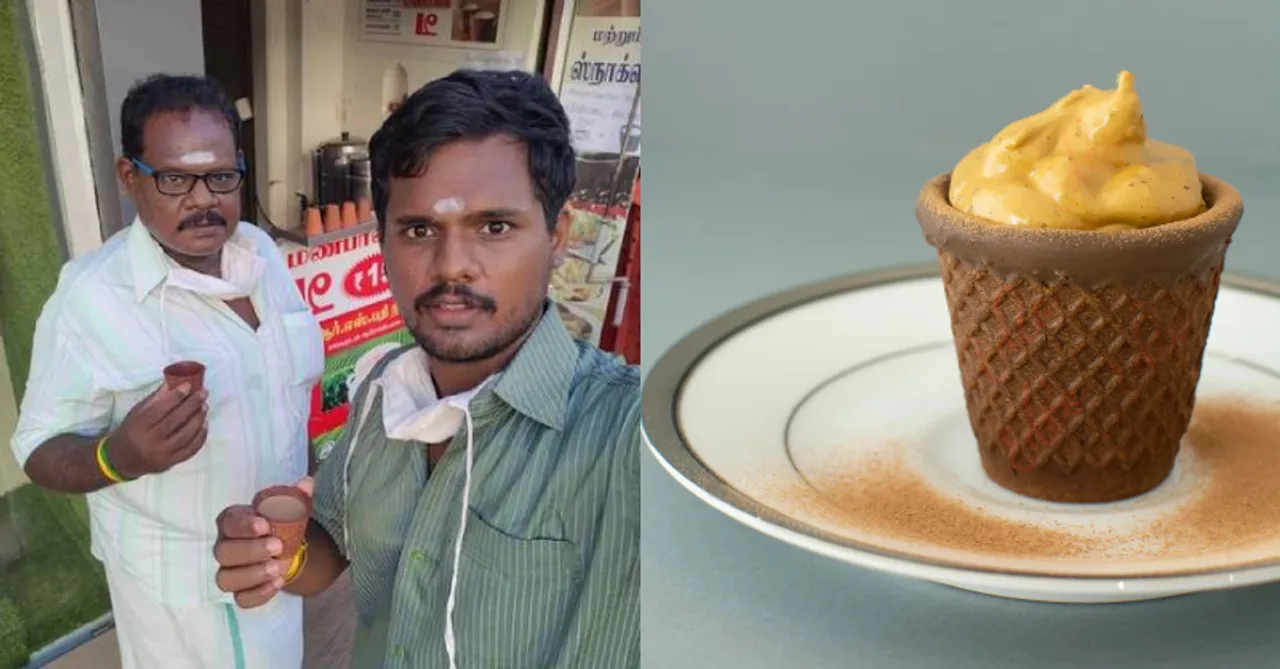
x: 449, y: 205
x: 197, y: 158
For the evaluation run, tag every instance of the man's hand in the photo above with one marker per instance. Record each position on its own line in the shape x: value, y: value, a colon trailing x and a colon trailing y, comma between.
x: 250, y: 565
x: 166, y: 428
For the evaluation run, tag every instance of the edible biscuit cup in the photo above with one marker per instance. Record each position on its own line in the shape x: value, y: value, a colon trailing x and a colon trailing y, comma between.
x: 1079, y: 351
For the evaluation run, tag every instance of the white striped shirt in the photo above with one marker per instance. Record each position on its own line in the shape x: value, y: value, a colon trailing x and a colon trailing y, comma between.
x: 98, y: 351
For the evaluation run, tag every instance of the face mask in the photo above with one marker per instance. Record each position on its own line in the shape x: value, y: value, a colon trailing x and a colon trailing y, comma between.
x: 234, y: 286
x: 241, y: 271
x: 437, y: 421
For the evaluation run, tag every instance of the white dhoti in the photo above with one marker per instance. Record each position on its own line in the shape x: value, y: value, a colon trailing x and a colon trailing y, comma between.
x: 152, y: 635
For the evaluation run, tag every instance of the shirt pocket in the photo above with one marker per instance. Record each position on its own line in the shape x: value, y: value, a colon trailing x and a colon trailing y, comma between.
x: 514, y: 597
x: 304, y: 345
x: 302, y: 354
x: 298, y: 366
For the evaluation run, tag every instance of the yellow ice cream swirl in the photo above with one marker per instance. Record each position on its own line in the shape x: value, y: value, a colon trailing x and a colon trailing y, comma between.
x: 1085, y: 163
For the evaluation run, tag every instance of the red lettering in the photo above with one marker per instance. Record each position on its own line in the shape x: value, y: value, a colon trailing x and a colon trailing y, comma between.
x: 314, y: 289
x: 295, y: 259
x: 426, y: 24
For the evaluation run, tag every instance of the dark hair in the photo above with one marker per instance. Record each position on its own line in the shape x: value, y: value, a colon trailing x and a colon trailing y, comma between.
x: 476, y: 105
x: 168, y: 93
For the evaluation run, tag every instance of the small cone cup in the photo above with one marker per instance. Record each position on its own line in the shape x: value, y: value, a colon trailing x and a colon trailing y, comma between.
x: 349, y: 215
x: 1079, y: 351
x: 187, y: 371
x: 312, y: 224
x: 364, y: 210
x: 286, y: 525
x: 332, y: 218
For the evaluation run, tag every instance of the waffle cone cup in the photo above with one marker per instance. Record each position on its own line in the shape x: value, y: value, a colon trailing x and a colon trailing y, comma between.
x: 290, y: 533
x: 1079, y: 351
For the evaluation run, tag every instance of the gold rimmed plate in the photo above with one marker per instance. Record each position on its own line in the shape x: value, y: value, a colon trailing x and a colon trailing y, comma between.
x: 831, y: 417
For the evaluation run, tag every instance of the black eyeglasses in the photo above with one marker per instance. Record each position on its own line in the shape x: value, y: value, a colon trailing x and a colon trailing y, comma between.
x: 181, y: 183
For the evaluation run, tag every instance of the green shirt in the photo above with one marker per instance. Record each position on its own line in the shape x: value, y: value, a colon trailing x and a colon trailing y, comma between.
x: 550, y: 571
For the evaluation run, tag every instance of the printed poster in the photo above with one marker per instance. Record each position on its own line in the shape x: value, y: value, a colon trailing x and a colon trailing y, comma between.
x: 344, y: 284
x: 601, y: 83
x: 600, y: 91
x: 475, y: 24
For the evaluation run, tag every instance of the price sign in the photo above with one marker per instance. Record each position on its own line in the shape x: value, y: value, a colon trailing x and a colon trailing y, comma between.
x: 366, y: 279
x: 340, y: 277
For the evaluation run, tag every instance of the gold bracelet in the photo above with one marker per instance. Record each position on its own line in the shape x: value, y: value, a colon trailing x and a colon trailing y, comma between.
x: 104, y: 465
x: 297, y: 564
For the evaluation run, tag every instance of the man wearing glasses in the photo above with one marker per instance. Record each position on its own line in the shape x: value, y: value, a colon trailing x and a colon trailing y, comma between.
x: 187, y: 281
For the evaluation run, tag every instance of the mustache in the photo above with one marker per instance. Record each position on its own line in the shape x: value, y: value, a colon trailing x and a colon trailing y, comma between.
x: 202, y: 219
x: 458, y: 291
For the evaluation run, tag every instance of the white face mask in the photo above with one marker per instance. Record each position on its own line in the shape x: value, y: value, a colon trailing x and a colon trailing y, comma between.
x: 429, y: 422
x: 240, y: 276
x: 241, y: 271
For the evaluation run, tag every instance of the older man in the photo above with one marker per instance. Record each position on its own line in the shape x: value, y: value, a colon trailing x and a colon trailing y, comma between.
x: 186, y: 281
x: 486, y: 494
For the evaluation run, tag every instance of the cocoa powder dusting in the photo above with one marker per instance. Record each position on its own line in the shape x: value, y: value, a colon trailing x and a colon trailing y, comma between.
x: 1237, y: 443
x: 886, y: 497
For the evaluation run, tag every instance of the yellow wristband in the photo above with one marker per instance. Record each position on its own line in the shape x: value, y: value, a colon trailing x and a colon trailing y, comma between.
x: 297, y: 563
x: 104, y: 465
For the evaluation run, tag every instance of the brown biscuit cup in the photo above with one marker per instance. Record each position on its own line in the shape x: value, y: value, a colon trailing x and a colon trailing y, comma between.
x: 1079, y: 351
x: 186, y: 371
x: 289, y: 531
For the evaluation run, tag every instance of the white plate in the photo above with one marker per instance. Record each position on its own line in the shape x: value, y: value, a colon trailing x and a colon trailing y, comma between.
x: 832, y: 417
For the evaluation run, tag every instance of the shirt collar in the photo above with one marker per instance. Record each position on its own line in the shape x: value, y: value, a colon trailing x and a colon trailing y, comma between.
x: 536, y: 383
x: 538, y: 379
x: 151, y: 264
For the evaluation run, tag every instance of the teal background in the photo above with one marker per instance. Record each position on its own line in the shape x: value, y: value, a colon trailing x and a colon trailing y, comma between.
x: 918, y: 81
x: 785, y: 143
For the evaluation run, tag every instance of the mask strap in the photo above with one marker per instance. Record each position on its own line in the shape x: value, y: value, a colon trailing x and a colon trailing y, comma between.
x: 352, y: 440
x: 450, y: 640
